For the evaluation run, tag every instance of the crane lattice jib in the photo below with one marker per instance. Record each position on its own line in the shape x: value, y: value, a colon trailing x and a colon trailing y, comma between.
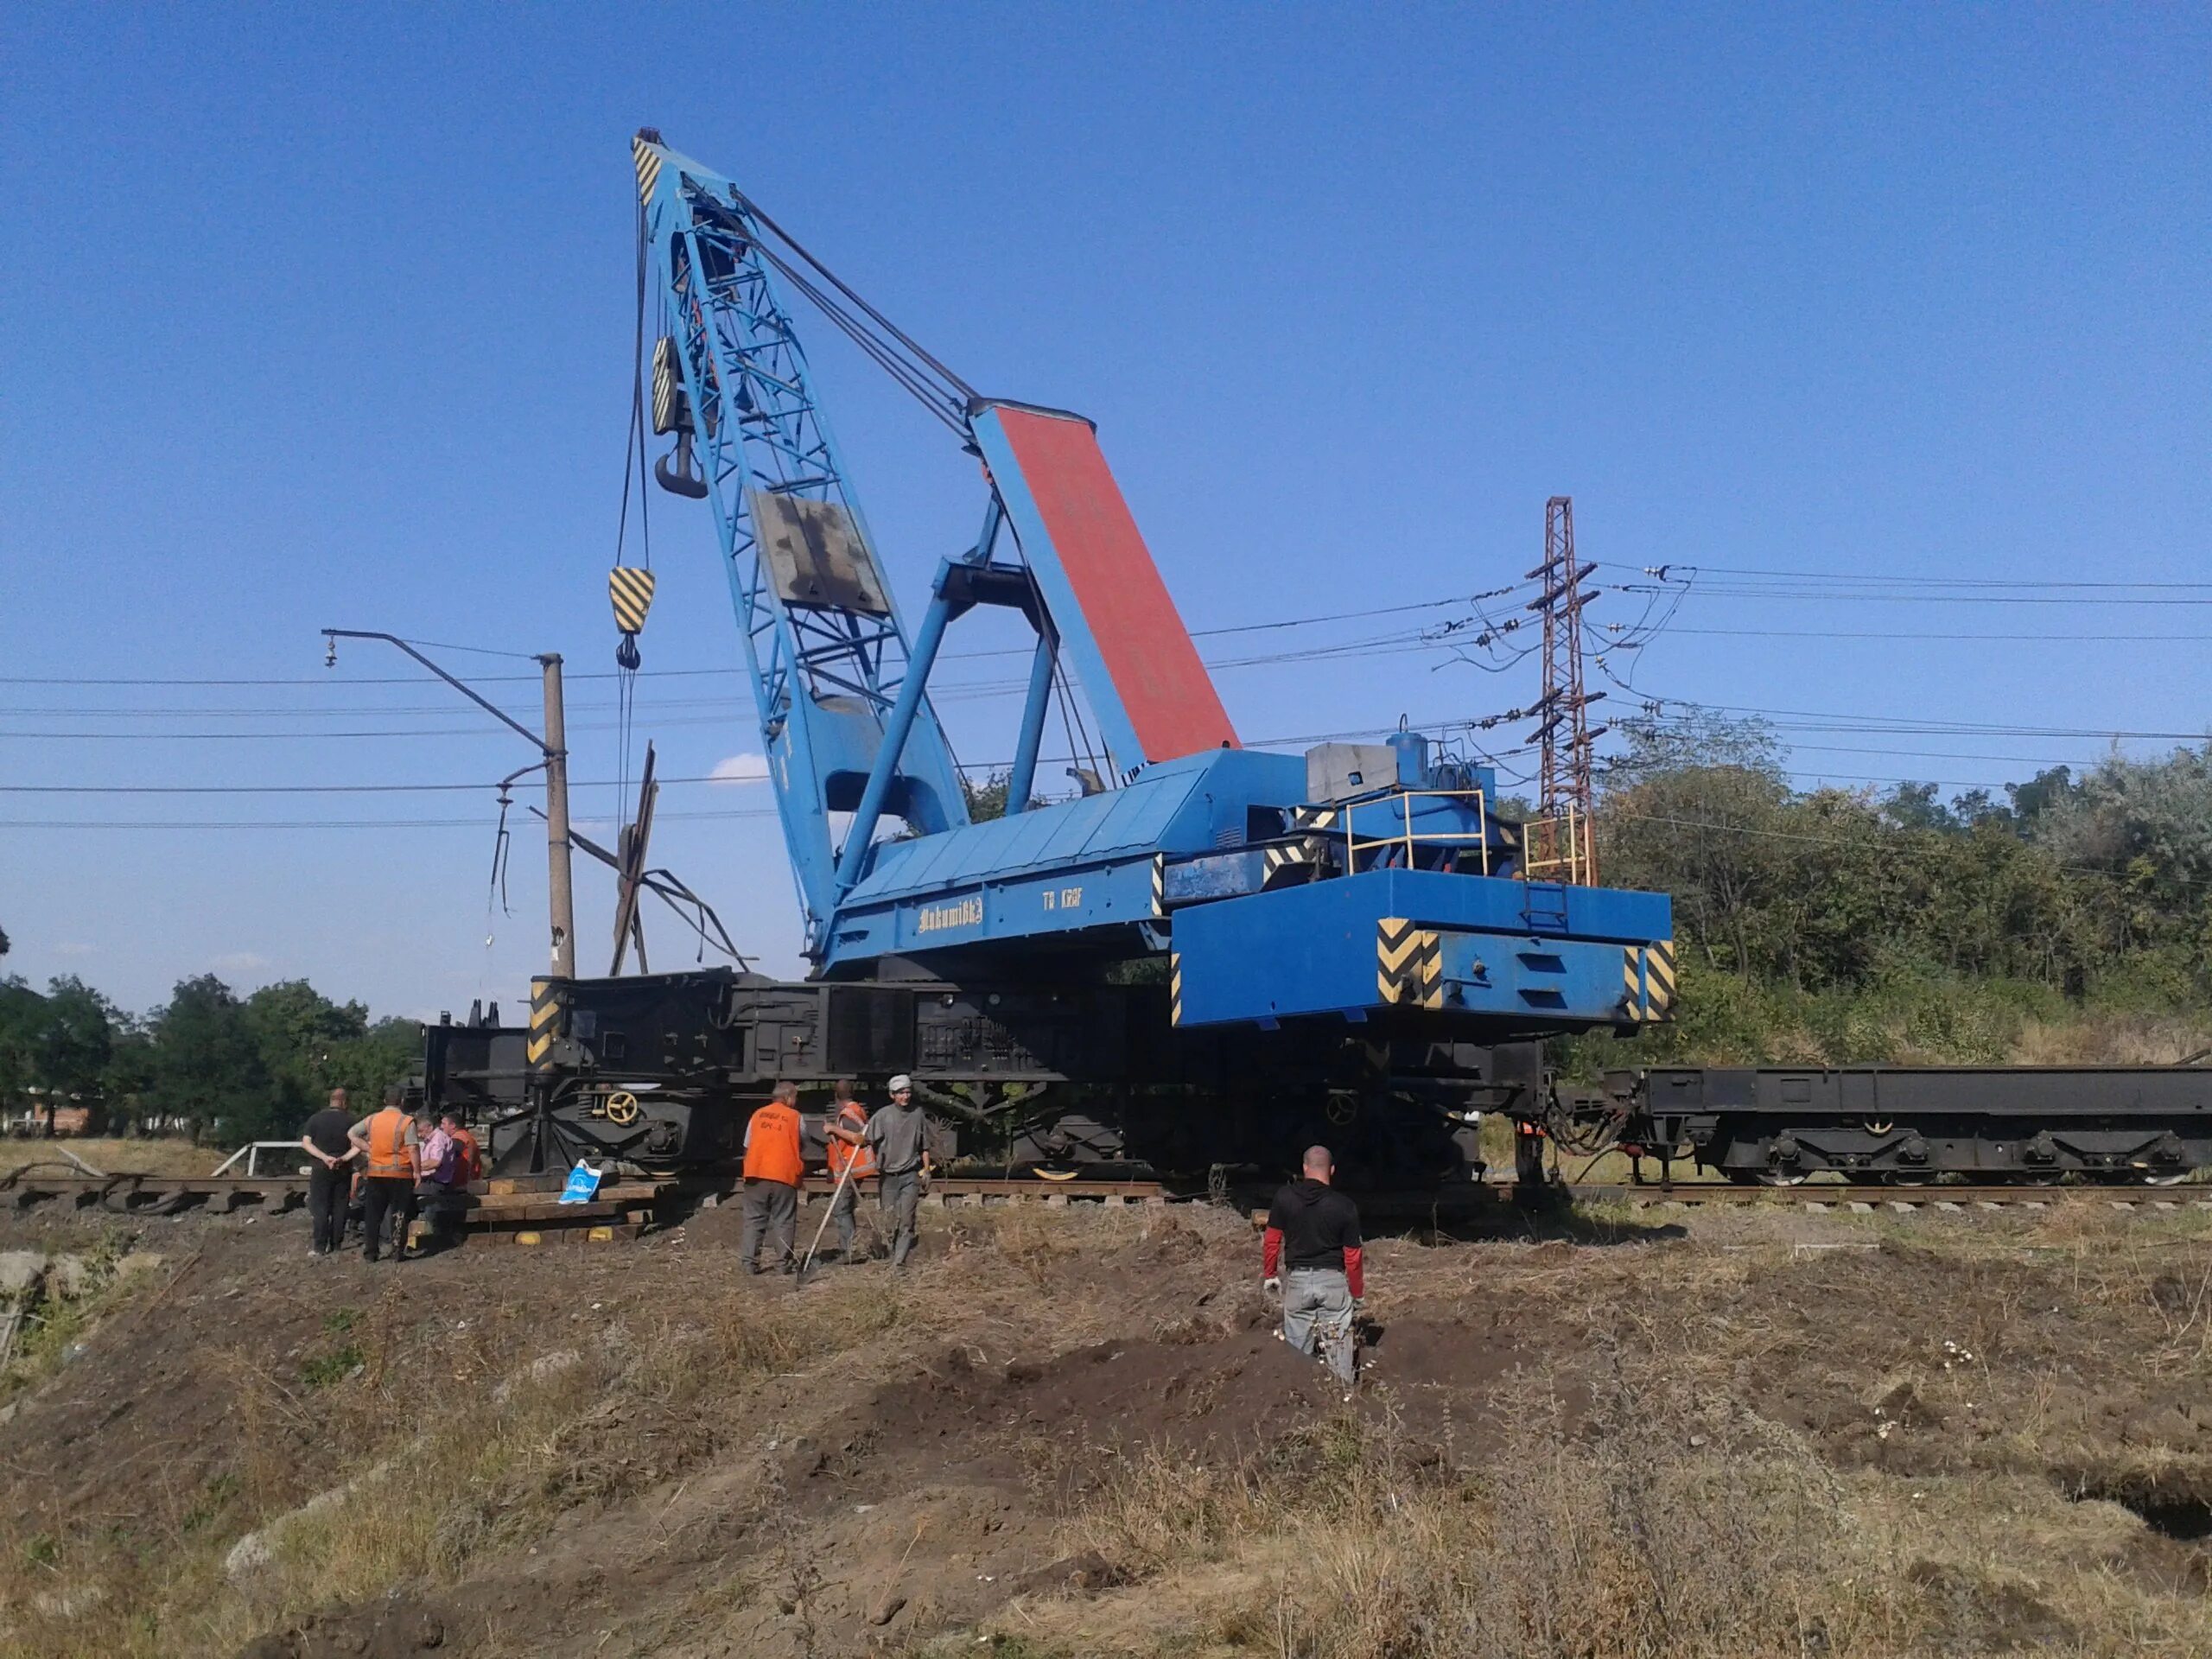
x: 827, y: 659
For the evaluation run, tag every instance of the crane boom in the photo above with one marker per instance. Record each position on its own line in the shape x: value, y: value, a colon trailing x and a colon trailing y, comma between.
x: 822, y: 636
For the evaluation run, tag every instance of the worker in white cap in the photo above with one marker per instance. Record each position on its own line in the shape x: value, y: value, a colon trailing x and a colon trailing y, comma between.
x: 896, y: 1137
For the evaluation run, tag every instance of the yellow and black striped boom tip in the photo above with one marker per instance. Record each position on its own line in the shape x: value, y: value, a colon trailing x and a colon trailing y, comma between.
x: 647, y: 156
x: 632, y: 590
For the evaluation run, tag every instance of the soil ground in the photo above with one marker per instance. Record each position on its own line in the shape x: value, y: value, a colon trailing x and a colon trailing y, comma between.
x: 1075, y: 1432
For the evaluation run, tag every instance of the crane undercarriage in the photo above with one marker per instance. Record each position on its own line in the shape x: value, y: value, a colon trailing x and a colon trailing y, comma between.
x: 662, y: 1070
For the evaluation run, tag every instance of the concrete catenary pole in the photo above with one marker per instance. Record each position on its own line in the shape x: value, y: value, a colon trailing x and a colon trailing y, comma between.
x: 560, y: 885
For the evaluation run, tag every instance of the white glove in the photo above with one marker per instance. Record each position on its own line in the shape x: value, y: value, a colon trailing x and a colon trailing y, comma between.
x: 1274, y: 1285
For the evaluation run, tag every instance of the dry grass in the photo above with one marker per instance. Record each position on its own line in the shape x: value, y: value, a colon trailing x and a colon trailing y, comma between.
x: 113, y: 1156
x: 432, y: 1493
x: 2111, y: 1040
x: 1669, y: 1528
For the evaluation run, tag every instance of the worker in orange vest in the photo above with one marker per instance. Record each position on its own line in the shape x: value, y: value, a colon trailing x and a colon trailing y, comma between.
x: 472, y: 1151
x: 387, y: 1141
x: 449, y: 1161
x: 846, y: 1153
x: 772, y: 1170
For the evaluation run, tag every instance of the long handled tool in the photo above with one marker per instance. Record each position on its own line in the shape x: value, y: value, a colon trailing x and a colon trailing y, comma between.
x: 843, y: 1175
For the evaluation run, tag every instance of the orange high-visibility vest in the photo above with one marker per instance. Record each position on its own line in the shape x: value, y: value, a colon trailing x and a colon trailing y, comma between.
x: 772, y: 1145
x: 851, y: 1115
x: 469, y: 1159
x: 389, y: 1156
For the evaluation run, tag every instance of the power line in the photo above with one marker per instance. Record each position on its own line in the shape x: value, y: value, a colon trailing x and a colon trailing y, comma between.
x: 1899, y: 580
x: 2047, y: 638
x: 675, y: 673
x: 953, y: 691
x: 318, y: 823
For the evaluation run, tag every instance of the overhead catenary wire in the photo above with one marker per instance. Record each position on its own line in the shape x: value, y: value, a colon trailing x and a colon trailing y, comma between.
x: 1899, y: 581
x: 1317, y: 620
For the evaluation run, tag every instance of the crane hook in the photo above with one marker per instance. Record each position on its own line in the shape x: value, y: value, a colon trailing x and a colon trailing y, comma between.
x: 679, y: 473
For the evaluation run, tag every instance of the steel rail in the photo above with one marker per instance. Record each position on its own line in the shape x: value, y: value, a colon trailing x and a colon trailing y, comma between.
x: 275, y: 1194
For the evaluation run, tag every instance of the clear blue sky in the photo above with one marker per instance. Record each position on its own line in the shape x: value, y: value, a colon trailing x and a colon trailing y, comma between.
x: 320, y: 316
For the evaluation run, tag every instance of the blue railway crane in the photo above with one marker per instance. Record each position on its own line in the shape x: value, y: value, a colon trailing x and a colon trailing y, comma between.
x: 1349, y: 942
x: 1357, y: 946
x: 1340, y: 883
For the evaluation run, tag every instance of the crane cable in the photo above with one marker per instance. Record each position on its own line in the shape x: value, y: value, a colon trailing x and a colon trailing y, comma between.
x: 919, y: 372
x: 627, y: 658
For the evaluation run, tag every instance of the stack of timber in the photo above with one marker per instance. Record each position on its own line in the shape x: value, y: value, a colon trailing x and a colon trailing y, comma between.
x: 526, y: 1210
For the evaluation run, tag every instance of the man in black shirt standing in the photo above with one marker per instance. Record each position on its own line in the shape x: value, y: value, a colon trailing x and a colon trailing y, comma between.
x: 326, y: 1142
x: 1318, y: 1229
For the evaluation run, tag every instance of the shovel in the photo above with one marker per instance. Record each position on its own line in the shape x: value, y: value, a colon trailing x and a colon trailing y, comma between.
x: 843, y: 1175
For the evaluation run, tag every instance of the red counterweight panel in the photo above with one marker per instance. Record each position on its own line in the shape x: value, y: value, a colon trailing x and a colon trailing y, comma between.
x: 1155, y: 668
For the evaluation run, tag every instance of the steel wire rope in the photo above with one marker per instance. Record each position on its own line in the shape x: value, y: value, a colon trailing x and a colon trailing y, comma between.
x: 831, y: 276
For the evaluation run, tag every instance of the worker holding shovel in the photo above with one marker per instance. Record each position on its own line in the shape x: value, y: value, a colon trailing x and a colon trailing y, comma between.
x: 850, y: 1163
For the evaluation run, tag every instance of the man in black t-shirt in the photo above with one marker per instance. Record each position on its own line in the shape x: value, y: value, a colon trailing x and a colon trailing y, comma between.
x: 1317, y: 1228
x: 331, y: 1176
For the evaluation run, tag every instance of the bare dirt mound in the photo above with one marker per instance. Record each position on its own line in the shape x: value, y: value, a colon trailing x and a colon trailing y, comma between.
x: 1059, y: 1419
x: 1081, y: 1433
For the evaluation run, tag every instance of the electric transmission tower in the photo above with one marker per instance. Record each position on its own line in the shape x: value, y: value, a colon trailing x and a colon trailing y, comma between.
x: 1562, y: 843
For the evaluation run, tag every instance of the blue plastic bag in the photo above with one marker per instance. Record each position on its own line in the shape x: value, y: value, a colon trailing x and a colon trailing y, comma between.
x: 583, y: 1185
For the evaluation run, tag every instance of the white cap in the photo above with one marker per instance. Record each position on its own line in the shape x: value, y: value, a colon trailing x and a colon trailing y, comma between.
x: 900, y: 1082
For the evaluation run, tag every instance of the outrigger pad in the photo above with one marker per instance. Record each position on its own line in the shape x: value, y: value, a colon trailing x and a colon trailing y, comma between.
x: 815, y: 555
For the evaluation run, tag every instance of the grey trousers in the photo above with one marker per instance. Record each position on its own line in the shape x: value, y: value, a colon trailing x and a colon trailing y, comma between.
x: 771, y: 1212
x: 841, y: 1211
x: 900, y: 1196
x: 1317, y: 1310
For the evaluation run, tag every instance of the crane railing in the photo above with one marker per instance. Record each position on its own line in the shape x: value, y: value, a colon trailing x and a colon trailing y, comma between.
x: 1406, y: 838
x: 1561, y: 849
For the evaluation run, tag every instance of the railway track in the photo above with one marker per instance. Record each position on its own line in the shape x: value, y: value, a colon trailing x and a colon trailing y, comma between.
x: 525, y: 1200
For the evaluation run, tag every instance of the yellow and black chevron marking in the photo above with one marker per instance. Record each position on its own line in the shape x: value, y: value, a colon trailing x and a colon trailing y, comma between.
x: 1159, y: 885
x: 648, y: 167
x: 1287, y: 856
x: 632, y: 590
x: 1312, y: 817
x: 1175, y: 987
x: 1648, y: 981
x: 1659, y: 981
x: 668, y: 412
x: 1408, y: 964
x: 544, y: 1019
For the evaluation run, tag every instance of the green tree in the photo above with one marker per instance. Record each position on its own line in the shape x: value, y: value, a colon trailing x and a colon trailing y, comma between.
x: 76, y: 1035
x: 20, y: 1010
x: 300, y: 1035
x: 386, y: 1052
x: 207, y: 1065
x: 987, y: 800
x: 1694, y: 807
x: 128, y: 1082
